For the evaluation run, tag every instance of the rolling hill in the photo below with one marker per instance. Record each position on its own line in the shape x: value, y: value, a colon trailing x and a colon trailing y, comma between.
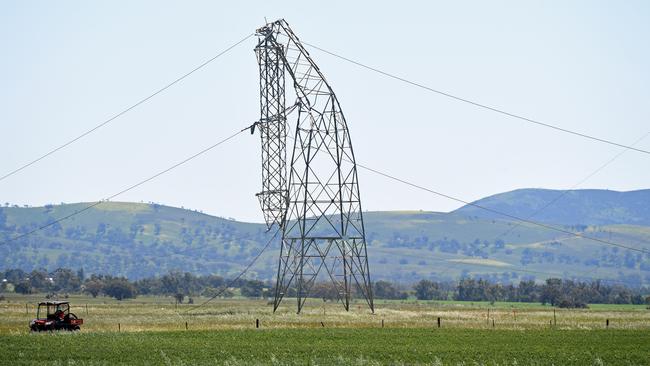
x: 587, y: 206
x: 140, y: 240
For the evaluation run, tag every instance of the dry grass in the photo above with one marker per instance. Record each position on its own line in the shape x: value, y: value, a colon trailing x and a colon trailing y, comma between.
x: 160, y: 314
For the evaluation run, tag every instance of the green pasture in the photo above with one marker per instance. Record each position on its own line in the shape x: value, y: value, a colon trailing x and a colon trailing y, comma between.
x: 366, y: 346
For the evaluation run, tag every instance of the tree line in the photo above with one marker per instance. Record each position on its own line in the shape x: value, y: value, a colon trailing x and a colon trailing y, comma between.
x: 553, y: 291
x: 182, y: 285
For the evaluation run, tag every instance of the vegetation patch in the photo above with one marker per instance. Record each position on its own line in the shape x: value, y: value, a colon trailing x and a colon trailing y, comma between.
x: 332, y: 347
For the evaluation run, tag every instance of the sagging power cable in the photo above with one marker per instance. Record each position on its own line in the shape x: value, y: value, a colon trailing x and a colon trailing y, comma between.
x: 520, y: 219
x: 123, y: 112
x: 95, y: 204
x: 242, y: 273
x: 477, y: 104
x: 517, y: 218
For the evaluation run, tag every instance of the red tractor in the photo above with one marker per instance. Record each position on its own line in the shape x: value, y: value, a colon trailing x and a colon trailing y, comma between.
x: 55, y: 315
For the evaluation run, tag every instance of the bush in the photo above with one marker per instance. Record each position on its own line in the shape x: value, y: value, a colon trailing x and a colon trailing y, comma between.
x: 429, y: 290
x: 252, y: 288
x: 93, y: 287
x: 120, y: 289
x: 386, y: 290
x: 568, y: 303
x: 23, y: 287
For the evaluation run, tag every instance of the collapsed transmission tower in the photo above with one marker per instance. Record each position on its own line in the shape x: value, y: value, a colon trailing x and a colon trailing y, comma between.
x: 317, y: 204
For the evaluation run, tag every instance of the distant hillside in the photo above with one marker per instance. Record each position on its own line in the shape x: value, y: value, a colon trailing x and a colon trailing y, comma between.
x: 587, y: 206
x: 141, y: 240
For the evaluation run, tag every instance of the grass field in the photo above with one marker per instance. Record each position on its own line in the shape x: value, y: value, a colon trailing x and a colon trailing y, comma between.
x: 152, y: 330
x: 333, y: 347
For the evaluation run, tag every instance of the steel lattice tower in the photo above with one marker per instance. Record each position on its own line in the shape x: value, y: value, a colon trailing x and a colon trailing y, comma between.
x: 317, y: 207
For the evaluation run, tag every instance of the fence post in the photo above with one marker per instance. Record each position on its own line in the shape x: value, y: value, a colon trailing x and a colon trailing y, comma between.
x: 26, y: 311
x: 488, y: 316
x: 86, y: 308
x: 438, y: 322
x: 554, y: 318
x: 607, y: 323
x: 382, y: 323
x: 257, y: 323
x: 119, y: 327
x: 185, y: 325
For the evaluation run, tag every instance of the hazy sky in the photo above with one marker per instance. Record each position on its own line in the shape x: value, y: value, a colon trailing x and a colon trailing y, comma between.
x: 67, y: 66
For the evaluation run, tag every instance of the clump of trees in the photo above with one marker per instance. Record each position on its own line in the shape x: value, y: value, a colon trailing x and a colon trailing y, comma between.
x: 66, y: 281
x: 429, y: 290
x: 388, y: 290
x: 180, y: 285
x: 184, y: 285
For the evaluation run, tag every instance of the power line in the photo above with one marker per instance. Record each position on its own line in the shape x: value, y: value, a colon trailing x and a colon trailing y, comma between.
x: 507, y: 215
x: 547, y: 226
x: 9, y: 174
x: 528, y: 221
x: 268, y: 243
x: 480, y: 105
x: 75, y: 213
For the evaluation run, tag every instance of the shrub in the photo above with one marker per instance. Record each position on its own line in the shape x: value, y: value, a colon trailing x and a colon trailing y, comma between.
x: 568, y: 303
x: 120, y: 289
x: 23, y: 287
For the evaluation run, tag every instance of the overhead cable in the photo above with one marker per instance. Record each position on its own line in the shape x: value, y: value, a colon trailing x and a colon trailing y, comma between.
x: 248, y: 267
x: 480, y: 105
x: 95, y: 204
x: 473, y: 204
x: 123, y: 112
x: 572, y: 188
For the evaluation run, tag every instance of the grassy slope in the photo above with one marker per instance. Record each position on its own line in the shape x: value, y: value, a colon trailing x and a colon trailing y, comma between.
x: 584, y: 206
x: 517, y: 237
x: 175, y: 246
x: 201, y: 243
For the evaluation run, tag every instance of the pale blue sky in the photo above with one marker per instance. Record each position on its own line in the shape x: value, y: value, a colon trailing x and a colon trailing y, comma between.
x: 67, y: 66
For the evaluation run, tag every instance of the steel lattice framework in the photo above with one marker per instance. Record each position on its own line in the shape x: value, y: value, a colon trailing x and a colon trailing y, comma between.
x: 317, y: 207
